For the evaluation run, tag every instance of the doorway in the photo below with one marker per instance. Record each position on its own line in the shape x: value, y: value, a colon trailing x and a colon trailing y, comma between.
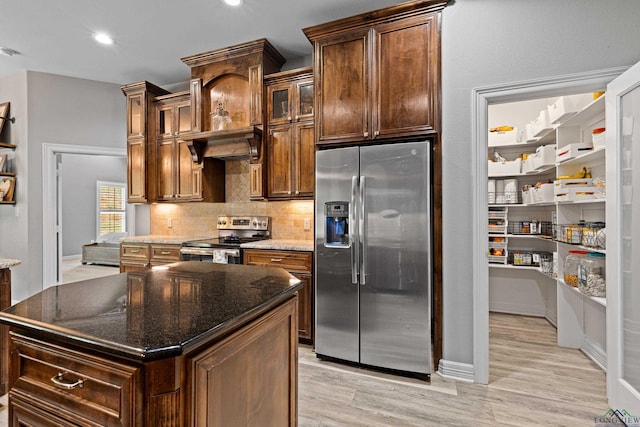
x: 482, y: 98
x: 52, y: 155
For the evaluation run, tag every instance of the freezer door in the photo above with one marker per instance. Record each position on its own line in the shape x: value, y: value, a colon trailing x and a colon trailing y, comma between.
x: 395, y: 288
x: 336, y: 290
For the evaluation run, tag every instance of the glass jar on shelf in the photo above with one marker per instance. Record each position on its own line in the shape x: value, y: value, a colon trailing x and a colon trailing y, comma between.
x: 591, y: 275
x: 570, y: 267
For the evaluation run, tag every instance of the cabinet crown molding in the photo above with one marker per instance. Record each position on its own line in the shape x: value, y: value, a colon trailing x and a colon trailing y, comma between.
x: 367, y: 19
x: 239, y: 50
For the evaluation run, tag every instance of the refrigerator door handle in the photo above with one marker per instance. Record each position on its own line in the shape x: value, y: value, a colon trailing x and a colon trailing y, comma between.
x: 353, y: 230
x: 361, y: 232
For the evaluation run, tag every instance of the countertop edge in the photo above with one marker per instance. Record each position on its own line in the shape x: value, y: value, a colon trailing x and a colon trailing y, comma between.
x: 110, y: 348
x: 8, y: 262
x: 281, y: 245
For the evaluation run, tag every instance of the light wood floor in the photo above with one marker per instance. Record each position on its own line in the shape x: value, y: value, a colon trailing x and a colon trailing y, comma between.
x: 533, y: 382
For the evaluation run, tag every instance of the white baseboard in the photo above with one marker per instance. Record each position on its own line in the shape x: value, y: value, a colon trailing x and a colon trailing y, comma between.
x: 523, y: 309
x: 71, y: 257
x: 456, y: 371
x: 552, y: 317
x: 595, y: 353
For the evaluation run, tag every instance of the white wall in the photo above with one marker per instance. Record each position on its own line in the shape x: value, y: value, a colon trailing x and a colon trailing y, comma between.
x: 79, y: 174
x: 60, y: 110
x: 493, y: 42
x: 13, y: 218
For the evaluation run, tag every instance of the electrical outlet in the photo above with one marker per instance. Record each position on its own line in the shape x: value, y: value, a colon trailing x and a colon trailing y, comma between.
x: 169, y: 222
x: 307, y: 224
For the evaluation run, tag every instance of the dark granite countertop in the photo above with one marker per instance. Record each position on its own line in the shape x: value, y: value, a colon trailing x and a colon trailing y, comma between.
x: 153, y: 314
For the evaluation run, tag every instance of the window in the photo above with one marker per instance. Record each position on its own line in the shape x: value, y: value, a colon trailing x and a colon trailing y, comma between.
x: 111, y: 207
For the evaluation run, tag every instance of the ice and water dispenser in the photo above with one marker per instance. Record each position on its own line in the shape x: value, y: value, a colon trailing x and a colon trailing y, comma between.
x: 337, y: 223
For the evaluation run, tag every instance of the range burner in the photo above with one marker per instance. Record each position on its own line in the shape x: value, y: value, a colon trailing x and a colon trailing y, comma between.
x: 232, y: 232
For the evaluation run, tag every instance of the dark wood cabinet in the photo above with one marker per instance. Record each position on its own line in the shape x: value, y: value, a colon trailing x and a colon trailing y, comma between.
x: 141, y: 155
x: 300, y: 264
x: 179, y: 179
x: 291, y: 139
x: 134, y: 256
x: 378, y: 74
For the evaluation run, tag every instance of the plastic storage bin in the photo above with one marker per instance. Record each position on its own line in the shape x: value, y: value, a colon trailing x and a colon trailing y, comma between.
x: 571, y: 265
x: 571, y: 151
x: 504, y: 168
x: 591, y: 275
x: 541, y: 125
x: 542, y: 193
x: 497, y: 139
x: 566, y: 106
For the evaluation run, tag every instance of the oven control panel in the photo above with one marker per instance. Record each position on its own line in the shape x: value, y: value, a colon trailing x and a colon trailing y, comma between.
x: 243, y: 223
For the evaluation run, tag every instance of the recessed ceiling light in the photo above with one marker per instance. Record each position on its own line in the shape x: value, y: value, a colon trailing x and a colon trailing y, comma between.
x: 103, y: 38
x: 233, y: 2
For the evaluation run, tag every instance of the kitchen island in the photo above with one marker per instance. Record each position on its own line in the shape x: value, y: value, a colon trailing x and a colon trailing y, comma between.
x: 189, y: 343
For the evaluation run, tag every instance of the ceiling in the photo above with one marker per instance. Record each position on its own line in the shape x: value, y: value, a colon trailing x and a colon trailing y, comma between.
x: 152, y: 35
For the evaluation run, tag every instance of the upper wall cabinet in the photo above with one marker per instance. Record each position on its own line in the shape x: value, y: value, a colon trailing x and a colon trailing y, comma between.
x: 141, y: 144
x: 227, y: 93
x: 290, y: 139
x: 378, y: 74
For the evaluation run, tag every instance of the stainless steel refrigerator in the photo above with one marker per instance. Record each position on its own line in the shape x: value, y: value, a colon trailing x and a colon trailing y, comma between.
x: 374, y: 255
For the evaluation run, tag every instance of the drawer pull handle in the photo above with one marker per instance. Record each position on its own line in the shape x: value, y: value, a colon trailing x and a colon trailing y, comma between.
x: 276, y: 259
x: 135, y: 251
x: 165, y: 253
x: 59, y: 381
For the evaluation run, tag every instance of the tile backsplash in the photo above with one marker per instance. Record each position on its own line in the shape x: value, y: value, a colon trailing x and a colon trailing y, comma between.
x: 199, y: 219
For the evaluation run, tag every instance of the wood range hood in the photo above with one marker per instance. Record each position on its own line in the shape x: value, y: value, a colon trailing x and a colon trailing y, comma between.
x: 245, y: 142
x: 233, y: 78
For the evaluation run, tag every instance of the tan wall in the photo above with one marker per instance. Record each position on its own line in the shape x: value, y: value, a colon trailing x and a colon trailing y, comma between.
x: 199, y: 219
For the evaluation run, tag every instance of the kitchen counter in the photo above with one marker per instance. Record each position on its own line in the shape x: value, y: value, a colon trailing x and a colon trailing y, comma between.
x: 146, y: 315
x: 282, y: 245
x: 130, y: 349
x: 161, y: 239
x: 5, y: 301
x: 8, y: 263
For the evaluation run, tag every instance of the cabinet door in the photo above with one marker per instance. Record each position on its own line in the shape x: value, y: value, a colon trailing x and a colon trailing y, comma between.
x: 165, y: 121
x: 405, y: 77
x: 304, y: 160
x: 166, y: 168
x: 187, y: 179
x: 303, y: 101
x: 136, y: 116
x: 136, y: 170
x: 256, y: 181
x: 279, y: 157
x: 280, y: 103
x: 305, y: 307
x: 342, y: 88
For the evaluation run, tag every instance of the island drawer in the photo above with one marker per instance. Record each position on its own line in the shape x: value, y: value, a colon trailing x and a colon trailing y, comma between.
x: 289, y: 260
x: 134, y: 251
x: 76, y: 386
x: 165, y: 253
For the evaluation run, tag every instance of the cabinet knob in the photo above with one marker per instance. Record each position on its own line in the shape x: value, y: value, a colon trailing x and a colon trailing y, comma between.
x: 297, y: 192
x: 376, y: 134
x: 289, y: 192
x: 289, y: 118
x: 366, y: 134
x: 176, y: 133
x: 297, y: 118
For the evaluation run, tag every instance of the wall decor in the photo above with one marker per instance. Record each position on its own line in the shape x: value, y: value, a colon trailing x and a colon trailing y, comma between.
x: 4, y: 115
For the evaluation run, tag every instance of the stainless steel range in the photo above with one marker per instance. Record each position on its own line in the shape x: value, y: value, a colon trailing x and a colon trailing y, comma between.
x: 232, y: 232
